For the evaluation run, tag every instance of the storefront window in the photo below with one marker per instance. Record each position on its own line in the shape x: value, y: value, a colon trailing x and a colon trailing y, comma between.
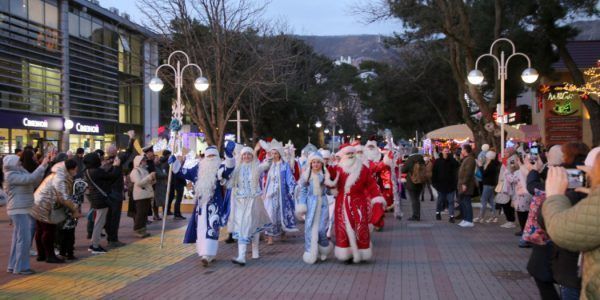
x: 4, y: 141
x: 19, y: 139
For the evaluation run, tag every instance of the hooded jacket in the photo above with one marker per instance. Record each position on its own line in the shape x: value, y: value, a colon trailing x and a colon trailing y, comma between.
x: 19, y: 185
x: 142, y: 181
x: 57, y: 187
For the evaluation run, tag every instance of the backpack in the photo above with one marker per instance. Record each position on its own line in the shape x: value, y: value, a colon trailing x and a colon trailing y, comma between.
x: 418, y: 174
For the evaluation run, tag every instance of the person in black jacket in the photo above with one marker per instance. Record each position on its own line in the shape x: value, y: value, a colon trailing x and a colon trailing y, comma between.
x: 113, y: 218
x: 489, y: 179
x: 444, y: 181
x: 99, y: 186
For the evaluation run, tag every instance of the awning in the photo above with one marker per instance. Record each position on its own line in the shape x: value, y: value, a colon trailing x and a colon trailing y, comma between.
x: 462, y: 131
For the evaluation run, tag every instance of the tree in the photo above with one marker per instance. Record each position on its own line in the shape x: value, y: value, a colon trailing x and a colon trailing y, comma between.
x: 242, y: 57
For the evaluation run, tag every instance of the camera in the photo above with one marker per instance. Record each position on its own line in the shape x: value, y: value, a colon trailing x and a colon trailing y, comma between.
x: 576, y: 178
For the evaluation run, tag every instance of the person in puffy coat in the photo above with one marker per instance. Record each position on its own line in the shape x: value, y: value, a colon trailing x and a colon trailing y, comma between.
x: 19, y: 185
x: 99, y: 184
x: 55, y: 190
x: 143, y: 193
x: 577, y: 227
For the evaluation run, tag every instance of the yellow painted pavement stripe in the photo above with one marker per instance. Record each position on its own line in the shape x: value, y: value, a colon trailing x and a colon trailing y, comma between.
x: 100, y: 275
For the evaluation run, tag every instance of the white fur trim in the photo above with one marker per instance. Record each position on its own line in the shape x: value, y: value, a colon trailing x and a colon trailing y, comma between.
x: 351, y: 236
x: 324, y: 251
x: 353, y: 175
x: 301, y: 209
x: 388, y: 161
x: 378, y: 199
x: 229, y: 162
x: 366, y: 254
x: 342, y: 253
x: 309, y: 257
x: 328, y: 181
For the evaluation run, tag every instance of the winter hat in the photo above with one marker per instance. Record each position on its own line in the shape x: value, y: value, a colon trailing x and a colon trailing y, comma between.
x: 326, y: 154
x: 246, y: 150
x: 485, y: 147
x: 315, y: 155
x: 277, y: 146
x: 555, y: 155
x: 346, y: 148
x: 371, y: 143
x: 490, y: 155
x: 591, y: 157
x: 212, y: 150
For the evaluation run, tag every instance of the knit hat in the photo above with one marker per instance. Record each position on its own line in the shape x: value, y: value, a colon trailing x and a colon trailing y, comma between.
x: 490, y: 155
x: 485, y: 147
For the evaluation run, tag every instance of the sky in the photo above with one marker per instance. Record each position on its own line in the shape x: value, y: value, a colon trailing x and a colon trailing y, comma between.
x: 303, y: 17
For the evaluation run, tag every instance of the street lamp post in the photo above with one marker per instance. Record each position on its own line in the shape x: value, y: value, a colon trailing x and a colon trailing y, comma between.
x: 156, y: 85
x: 529, y: 75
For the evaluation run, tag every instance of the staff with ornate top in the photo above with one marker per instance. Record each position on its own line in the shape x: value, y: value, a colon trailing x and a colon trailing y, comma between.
x: 156, y: 85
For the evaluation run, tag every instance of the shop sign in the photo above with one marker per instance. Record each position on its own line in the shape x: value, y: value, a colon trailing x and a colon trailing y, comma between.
x: 35, y: 123
x: 563, y: 114
x: 86, y: 127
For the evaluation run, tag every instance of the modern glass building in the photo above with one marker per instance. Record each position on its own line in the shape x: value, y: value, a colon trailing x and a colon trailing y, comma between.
x: 73, y: 74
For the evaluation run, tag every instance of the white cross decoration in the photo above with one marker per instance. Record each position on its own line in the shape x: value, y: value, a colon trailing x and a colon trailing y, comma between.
x: 239, y: 121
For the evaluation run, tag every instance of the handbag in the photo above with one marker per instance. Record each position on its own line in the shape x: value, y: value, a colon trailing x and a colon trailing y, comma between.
x: 532, y: 231
x: 57, y: 214
x: 502, y: 198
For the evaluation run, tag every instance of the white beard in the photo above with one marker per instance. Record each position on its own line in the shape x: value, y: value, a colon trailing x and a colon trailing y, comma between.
x: 350, y: 164
x: 207, y: 179
x: 372, y: 155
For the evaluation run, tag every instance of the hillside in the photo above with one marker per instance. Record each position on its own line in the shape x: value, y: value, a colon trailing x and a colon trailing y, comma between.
x: 362, y: 47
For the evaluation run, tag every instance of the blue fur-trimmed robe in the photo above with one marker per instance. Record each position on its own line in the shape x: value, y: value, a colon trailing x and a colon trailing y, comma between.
x: 313, y: 201
x: 216, y: 210
x: 281, y: 206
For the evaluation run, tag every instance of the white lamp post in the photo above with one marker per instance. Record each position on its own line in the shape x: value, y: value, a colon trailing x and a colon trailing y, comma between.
x: 156, y: 85
x: 529, y: 75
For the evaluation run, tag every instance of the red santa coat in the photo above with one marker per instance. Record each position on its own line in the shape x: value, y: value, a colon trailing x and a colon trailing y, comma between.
x: 358, y: 200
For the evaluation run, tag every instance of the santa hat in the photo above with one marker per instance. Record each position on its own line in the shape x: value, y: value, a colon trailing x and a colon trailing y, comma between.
x: 371, y: 143
x: 346, y: 148
x: 326, y: 154
x: 211, y: 150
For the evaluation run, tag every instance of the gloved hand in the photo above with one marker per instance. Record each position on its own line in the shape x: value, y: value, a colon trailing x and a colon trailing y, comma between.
x: 229, y: 147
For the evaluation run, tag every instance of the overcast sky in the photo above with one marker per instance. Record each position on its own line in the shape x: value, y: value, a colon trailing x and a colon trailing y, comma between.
x: 304, y: 17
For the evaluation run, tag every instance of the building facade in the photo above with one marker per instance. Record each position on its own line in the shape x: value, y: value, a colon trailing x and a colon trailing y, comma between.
x: 73, y: 74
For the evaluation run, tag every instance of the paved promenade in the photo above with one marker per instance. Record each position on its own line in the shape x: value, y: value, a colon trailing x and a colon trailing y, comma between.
x: 426, y: 260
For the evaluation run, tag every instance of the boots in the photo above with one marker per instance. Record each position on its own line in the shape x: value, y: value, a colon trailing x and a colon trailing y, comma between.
x: 206, y: 259
x: 141, y: 233
x: 255, y: 254
x: 241, y: 259
x: 155, y: 214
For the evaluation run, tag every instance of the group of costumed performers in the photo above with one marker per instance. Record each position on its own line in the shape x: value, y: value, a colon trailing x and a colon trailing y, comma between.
x: 268, y: 190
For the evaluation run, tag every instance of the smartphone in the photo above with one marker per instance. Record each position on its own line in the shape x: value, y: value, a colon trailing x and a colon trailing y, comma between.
x: 576, y: 178
x: 534, y: 151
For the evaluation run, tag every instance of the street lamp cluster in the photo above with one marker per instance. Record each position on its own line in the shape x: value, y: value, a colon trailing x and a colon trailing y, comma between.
x: 529, y: 75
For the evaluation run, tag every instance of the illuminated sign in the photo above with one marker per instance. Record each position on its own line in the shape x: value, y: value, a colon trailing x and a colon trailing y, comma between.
x: 87, y: 128
x: 35, y: 123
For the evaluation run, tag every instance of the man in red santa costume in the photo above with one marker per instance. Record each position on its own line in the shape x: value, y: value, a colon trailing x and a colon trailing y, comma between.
x: 380, y: 169
x: 354, y: 207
